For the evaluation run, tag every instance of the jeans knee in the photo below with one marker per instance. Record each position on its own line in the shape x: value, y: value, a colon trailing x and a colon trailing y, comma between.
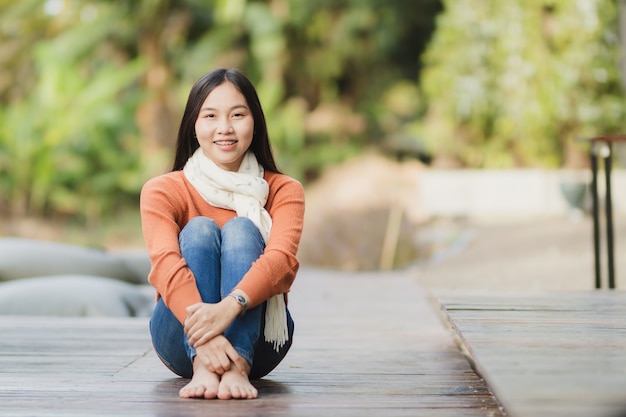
x: 241, y: 232
x: 202, y: 225
x: 239, y: 224
x: 199, y: 231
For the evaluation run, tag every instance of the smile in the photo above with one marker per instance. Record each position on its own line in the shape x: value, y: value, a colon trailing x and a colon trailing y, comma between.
x: 225, y: 142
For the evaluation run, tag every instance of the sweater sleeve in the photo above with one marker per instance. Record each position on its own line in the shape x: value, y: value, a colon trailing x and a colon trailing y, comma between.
x: 170, y: 276
x: 275, y: 270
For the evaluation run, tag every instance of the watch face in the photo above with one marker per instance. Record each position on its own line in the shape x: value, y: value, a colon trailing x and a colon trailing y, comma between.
x: 240, y: 299
x: 243, y: 302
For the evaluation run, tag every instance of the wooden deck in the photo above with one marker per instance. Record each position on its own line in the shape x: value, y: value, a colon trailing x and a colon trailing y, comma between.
x: 366, y: 345
x: 547, y: 354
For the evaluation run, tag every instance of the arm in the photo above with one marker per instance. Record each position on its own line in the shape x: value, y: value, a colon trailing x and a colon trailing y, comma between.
x: 169, y: 275
x: 275, y: 270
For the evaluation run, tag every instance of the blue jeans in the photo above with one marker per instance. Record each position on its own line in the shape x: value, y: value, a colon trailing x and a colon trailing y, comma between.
x: 218, y: 259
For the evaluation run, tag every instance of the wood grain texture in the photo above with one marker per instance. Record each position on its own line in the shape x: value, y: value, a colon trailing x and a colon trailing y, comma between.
x: 365, y: 345
x: 546, y: 354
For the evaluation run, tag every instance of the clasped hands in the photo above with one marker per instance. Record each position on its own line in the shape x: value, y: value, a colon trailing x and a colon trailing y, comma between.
x: 204, y: 326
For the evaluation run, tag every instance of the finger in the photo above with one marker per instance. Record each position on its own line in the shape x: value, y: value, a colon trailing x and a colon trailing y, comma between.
x: 209, y: 365
x: 224, y: 362
x: 240, y: 365
x: 191, y: 320
x: 220, y: 361
x: 201, y: 337
x: 216, y: 367
x: 190, y: 324
x: 193, y: 308
x: 193, y: 337
x: 194, y: 325
x: 237, y: 360
x: 204, y: 360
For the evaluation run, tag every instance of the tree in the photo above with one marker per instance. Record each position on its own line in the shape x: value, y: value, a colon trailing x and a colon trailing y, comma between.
x: 91, y: 91
x: 66, y: 142
x: 515, y: 84
x: 353, y: 71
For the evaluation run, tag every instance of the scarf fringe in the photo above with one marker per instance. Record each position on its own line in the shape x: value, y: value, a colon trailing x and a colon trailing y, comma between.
x: 276, y: 331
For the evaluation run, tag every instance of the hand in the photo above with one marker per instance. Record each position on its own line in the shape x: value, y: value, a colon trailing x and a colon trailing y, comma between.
x: 206, y: 321
x: 218, y: 354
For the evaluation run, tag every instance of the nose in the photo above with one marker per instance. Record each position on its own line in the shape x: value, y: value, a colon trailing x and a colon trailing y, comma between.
x: 224, y: 126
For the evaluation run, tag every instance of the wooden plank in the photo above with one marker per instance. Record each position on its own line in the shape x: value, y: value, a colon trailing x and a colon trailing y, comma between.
x: 366, y: 345
x: 546, y: 354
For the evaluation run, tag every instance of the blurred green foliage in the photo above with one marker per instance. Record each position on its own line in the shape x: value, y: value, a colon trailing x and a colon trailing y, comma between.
x: 516, y: 83
x: 91, y: 91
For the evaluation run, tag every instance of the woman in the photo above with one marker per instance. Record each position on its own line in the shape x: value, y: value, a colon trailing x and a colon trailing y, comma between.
x: 222, y: 231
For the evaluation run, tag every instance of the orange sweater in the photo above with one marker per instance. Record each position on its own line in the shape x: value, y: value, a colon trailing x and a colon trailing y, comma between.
x: 169, y: 201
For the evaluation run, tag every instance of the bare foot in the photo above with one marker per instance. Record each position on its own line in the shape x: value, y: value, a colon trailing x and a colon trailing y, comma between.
x: 235, y: 385
x: 203, y: 384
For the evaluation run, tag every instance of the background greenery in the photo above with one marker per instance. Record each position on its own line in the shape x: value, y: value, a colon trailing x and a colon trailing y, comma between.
x: 91, y: 91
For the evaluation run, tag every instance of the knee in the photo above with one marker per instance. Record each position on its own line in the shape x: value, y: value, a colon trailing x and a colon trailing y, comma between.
x: 238, y: 225
x: 241, y: 232
x: 201, y: 225
x: 199, y: 231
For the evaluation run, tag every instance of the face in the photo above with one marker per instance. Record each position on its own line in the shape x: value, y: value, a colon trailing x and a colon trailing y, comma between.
x: 225, y: 126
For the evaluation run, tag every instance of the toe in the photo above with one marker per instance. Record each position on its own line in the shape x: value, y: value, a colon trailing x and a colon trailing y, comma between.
x: 223, y: 394
x: 197, y: 391
x: 210, y: 394
x: 252, y: 393
x: 184, y: 393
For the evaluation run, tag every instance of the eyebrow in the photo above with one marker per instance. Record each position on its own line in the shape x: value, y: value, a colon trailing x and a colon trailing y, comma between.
x: 236, y: 106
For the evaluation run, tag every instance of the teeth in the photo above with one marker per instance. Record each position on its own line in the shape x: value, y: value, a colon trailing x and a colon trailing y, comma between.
x: 225, y: 142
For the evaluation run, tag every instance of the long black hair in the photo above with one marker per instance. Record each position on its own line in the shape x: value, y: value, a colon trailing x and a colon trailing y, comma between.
x: 187, y: 143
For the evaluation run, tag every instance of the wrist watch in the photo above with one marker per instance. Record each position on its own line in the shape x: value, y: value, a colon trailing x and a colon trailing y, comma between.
x: 243, y: 301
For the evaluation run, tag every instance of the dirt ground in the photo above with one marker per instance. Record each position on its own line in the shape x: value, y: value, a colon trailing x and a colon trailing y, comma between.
x: 346, y: 223
x: 538, y: 254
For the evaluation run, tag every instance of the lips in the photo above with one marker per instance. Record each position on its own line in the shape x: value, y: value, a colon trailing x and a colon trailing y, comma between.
x: 224, y: 142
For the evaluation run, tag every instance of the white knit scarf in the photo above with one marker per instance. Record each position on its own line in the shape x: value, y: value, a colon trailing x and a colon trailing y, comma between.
x: 246, y: 193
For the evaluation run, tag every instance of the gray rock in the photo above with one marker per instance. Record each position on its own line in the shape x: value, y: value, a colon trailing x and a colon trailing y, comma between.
x: 23, y: 258
x: 136, y: 261
x: 75, y: 295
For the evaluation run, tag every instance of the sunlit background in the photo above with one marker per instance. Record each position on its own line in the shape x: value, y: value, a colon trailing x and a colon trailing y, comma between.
x: 366, y: 100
